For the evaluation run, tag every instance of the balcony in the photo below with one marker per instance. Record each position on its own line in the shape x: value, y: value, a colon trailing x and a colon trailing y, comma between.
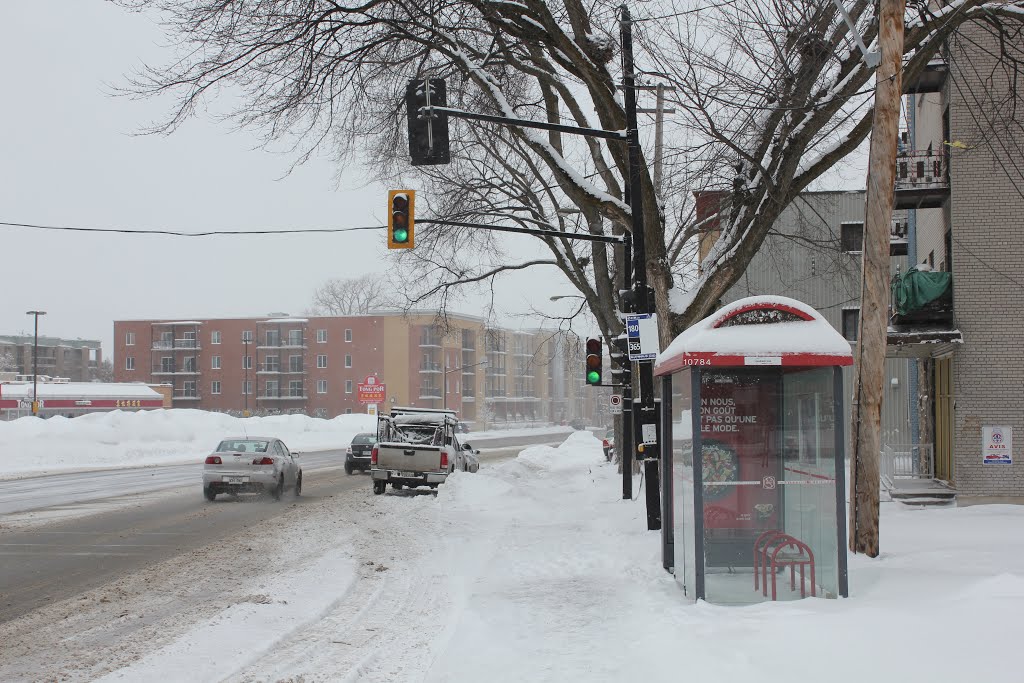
x: 898, y: 235
x: 922, y: 180
x: 186, y: 395
x: 276, y: 369
x: 173, y: 370
x: 428, y: 392
x: 282, y: 397
x: 931, y: 79
x: 921, y: 315
x: 282, y: 344
x: 171, y: 345
x: 430, y: 341
x: 430, y: 367
x: 495, y: 370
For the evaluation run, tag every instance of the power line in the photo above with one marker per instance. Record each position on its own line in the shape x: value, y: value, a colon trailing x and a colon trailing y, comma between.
x: 182, y: 233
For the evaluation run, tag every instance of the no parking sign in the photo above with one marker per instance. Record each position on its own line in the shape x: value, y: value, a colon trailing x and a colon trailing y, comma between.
x: 615, y: 404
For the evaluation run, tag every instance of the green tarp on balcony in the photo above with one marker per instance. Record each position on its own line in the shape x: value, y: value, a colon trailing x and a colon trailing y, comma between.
x: 915, y: 288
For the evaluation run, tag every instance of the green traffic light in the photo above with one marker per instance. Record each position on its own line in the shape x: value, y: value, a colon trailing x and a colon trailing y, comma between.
x: 401, y: 235
x: 593, y: 377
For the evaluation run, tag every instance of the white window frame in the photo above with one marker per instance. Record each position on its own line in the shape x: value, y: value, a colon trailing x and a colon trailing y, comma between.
x: 321, y: 360
x: 129, y: 339
x: 215, y: 337
x: 348, y: 386
x: 247, y: 336
x: 247, y: 362
x: 129, y: 363
x: 348, y: 360
x: 215, y: 387
x: 246, y: 387
x: 321, y: 386
x: 348, y: 335
x: 321, y: 336
x: 215, y: 362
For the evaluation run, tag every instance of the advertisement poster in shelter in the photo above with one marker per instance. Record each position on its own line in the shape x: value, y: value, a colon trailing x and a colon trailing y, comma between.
x: 740, y: 462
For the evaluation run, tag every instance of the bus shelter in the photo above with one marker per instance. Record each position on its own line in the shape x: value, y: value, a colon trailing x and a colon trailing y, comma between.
x: 756, y: 390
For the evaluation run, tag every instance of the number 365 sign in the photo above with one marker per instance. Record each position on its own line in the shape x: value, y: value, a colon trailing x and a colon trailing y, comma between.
x: 642, y: 336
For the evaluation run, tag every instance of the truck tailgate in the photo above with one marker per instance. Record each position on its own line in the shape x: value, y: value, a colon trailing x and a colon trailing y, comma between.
x: 408, y: 457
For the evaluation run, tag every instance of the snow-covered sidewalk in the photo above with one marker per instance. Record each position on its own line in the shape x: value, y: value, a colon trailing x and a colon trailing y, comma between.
x: 530, y: 570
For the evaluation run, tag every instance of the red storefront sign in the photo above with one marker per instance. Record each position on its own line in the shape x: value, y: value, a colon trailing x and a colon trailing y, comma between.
x: 371, y: 390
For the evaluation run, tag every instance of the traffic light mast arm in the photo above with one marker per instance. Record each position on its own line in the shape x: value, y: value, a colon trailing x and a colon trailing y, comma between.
x: 526, y: 123
x: 585, y: 236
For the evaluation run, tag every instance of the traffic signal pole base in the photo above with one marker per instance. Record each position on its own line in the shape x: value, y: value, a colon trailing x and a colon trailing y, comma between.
x: 652, y: 478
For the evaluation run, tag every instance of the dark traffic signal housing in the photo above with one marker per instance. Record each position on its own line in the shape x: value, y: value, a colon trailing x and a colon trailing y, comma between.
x: 401, y: 219
x: 594, y: 361
x: 428, y: 134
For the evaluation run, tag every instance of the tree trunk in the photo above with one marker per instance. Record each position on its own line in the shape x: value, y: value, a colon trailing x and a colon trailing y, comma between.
x: 870, y: 375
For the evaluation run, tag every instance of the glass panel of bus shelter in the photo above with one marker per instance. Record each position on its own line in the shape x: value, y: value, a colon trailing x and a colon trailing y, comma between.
x: 808, y: 480
x: 682, y: 473
x: 741, y: 463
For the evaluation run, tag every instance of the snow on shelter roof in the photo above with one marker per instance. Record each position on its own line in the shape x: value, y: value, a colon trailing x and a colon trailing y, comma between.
x: 83, y: 390
x: 757, y: 330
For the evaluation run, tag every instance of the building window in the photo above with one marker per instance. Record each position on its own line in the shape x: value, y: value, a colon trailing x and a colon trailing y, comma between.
x: 190, y: 389
x: 247, y: 362
x: 247, y: 336
x: 129, y: 363
x: 272, y: 364
x: 348, y: 360
x: 273, y: 338
x: 215, y: 387
x: 321, y: 360
x: 167, y: 364
x: 295, y: 388
x: 215, y: 362
x: 348, y: 411
x: 129, y: 339
x: 272, y: 388
x: 321, y: 386
x: 295, y: 363
x: 294, y: 337
x: 348, y: 335
x: 247, y: 387
x: 851, y: 318
x: 348, y: 386
x: 321, y: 336
x: 215, y: 337
x: 851, y: 237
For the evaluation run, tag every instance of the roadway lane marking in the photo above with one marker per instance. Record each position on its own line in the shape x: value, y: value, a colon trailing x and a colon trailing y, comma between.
x: 98, y: 554
x: 94, y: 545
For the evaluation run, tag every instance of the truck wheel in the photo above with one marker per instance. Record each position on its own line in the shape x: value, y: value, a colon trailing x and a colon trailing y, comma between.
x: 397, y: 487
x: 348, y: 468
x: 378, y: 486
x: 276, y: 492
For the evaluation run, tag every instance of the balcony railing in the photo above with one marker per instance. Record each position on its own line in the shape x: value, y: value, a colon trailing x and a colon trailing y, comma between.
x: 175, y: 370
x: 428, y: 391
x: 282, y: 344
x: 186, y: 395
x: 430, y: 367
x: 282, y: 396
x: 168, y: 345
x: 278, y: 369
x: 430, y: 340
x: 920, y: 168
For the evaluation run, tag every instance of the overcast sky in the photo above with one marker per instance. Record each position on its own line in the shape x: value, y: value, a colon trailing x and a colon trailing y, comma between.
x: 69, y: 156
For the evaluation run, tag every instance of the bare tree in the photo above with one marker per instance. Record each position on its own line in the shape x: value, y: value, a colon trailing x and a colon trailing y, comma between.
x: 771, y: 94
x: 8, y: 363
x: 351, y: 296
x: 105, y: 371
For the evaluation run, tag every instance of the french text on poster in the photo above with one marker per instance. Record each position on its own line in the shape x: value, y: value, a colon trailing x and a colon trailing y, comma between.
x: 642, y: 336
x: 371, y: 390
x: 997, y: 445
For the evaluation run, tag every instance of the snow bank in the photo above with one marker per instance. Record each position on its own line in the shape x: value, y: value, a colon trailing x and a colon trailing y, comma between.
x: 158, y: 437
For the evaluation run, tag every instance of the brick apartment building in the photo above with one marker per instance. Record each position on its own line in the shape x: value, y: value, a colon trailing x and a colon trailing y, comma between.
x: 76, y: 359
x: 953, y: 365
x: 314, y: 365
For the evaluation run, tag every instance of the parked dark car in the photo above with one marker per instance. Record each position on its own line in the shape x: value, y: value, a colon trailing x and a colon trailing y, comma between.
x: 357, y: 455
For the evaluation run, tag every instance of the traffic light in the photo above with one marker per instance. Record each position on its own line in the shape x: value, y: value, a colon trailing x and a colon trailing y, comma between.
x: 428, y: 134
x: 594, y: 362
x: 401, y: 219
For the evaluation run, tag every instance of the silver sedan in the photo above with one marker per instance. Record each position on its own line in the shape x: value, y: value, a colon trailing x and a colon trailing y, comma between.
x: 251, y: 464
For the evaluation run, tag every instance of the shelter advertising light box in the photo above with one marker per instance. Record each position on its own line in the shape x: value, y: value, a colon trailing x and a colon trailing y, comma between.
x: 756, y: 390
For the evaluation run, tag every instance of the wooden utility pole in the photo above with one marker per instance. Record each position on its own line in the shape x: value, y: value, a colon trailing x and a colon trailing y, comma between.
x: 870, y: 376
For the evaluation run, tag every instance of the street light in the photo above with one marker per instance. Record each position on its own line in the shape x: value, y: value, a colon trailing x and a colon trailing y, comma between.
x: 35, y: 361
x: 444, y: 381
x: 564, y: 296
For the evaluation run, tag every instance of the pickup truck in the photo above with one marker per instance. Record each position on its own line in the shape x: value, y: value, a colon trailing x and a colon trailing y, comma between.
x: 416, y: 447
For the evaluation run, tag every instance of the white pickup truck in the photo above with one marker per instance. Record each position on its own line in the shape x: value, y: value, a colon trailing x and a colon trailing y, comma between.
x: 416, y: 447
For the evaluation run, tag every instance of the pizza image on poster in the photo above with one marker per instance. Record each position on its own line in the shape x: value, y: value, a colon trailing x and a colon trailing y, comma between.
x: 720, y: 464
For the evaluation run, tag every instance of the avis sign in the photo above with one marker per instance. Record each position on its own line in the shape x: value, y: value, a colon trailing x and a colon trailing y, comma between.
x: 997, y: 445
x: 371, y: 390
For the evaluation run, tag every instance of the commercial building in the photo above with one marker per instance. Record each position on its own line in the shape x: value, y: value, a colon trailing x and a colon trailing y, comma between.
x: 330, y: 365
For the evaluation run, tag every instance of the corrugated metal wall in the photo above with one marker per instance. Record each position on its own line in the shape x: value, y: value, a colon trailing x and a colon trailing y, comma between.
x: 802, y: 258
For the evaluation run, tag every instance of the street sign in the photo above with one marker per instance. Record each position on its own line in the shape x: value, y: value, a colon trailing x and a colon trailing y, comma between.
x: 642, y: 336
x: 615, y: 404
x: 371, y: 391
x: 371, y: 409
